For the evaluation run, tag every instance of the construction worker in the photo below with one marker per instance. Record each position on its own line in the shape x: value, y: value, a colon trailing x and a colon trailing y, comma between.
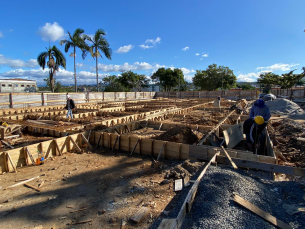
x: 255, y: 125
x: 70, y: 106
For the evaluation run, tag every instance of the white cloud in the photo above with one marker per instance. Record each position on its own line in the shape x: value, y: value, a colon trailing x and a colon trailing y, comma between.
x: 188, y: 78
x: 152, y: 41
x: 252, y: 76
x: 79, y: 65
x: 205, y: 55
x: 1, y: 34
x: 17, y: 63
x: 137, y: 66
x: 186, y: 71
x: 145, y: 46
x: 124, y: 49
x: 186, y: 48
x: 197, y: 54
x: 50, y: 31
x: 277, y: 67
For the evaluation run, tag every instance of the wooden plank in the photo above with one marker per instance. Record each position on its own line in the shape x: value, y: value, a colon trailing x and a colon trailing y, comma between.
x: 5, y: 143
x: 228, y: 156
x: 233, y: 135
x: 32, y: 187
x: 178, y: 185
x: 266, y: 216
x: 263, y: 166
x: 23, y: 182
x: 140, y: 214
x: 168, y: 224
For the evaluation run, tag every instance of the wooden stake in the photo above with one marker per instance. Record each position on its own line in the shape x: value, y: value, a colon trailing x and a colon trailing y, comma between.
x: 98, y: 142
x: 57, y: 148
x: 266, y: 216
x: 116, y: 140
x: 161, y: 151
x: 80, y: 222
x: 30, y: 155
x: 85, y: 139
x: 5, y: 143
x: 76, y: 146
x: 135, y: 146
x: 160, y: 126
x: 228, y: 156
x: 11, y: 161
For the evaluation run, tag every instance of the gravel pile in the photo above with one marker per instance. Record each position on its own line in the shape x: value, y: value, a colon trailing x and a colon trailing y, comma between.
x: 284, y: 107
x: 214, y: 206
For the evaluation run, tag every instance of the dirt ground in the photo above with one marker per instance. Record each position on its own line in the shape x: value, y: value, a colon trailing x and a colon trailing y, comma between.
x: 103, y: 188
x: 287, y: 132
x: 179, y: 134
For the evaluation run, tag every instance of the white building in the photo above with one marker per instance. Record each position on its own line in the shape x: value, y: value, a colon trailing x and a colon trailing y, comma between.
x: 17, y: 86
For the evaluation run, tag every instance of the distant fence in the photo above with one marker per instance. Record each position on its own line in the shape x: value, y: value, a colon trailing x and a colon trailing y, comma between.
x: 293, y: 93
x: 24, y: 100
x: 232, y: 94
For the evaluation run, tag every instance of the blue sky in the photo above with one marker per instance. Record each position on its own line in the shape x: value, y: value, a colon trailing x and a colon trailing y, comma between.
x: 249, y: 37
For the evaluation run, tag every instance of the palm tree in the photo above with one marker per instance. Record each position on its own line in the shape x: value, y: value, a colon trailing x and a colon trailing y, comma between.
x: 55, y: 59
x: 75, y: 41
x: 99, y: 45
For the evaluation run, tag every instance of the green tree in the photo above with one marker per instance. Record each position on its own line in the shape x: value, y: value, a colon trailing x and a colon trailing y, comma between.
x: 130, y: 80
x: 75, y: 41
x: 99, y: 45
x: 288, y: 80
x: 245, y: 86
x: 214, y: 77
x: 168, y: 78
x: 111, y: 83
x: 268, y: 80
x: 55, y: 59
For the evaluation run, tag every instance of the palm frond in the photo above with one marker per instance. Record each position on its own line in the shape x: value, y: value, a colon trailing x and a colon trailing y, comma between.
x: 98, y: 34
x: 41, y: 59
x: 78, y: 32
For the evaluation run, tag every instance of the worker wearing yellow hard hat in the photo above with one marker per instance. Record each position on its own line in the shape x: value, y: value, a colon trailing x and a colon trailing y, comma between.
x: 255, y: 125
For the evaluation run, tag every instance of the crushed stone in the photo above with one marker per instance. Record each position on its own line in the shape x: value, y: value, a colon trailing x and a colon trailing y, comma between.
x: 284, y: 107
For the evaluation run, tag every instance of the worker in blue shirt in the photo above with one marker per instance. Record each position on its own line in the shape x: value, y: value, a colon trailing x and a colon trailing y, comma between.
x: 255, y: 125
x: 260, y: 108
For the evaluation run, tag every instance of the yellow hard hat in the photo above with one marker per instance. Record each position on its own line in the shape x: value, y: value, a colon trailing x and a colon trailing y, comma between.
x: 259, y: 120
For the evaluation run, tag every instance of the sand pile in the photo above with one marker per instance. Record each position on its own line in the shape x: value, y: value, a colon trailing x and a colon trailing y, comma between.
x: 284, y: 107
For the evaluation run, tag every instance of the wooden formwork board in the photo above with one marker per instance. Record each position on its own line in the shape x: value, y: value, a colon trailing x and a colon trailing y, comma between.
x: 47, y: 131
x: 47, y: 147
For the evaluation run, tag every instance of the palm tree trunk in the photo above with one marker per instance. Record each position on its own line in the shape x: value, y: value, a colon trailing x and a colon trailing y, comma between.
x: 51, y: 80
x: 96, y: 69
x: 75, y: 72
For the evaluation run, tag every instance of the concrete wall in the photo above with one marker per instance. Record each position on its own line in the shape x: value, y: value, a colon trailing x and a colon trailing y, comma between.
x: 23, y: 100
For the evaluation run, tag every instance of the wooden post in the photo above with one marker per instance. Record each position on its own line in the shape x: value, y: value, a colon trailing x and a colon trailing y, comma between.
x: 42, y: 99
x: 11, y: 101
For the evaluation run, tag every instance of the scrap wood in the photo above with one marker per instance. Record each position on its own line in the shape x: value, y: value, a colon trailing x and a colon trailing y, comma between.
x: 12, y: 136
x: 140, y: 214
x: 23, y: 182
x: 27, y: 152
x: 80, y: 222
x: 98, y: 143
x: 82, y: 209
x: 266, y: 216
x: 178, y: 185
x: 32, y: 187
x: 228, y: 156
x: 41, y: 184
x: 116, y: 140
